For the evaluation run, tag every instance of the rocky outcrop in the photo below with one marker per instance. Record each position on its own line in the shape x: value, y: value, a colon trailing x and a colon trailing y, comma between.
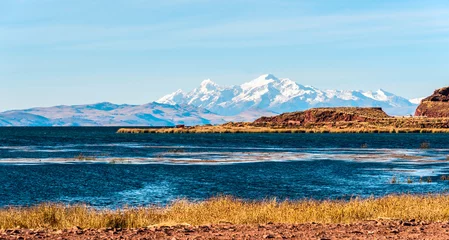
x: 436, y: 105
x: 325, y: 115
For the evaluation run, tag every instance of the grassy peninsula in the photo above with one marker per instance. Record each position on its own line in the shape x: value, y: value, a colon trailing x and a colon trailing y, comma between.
x: 319, y: 120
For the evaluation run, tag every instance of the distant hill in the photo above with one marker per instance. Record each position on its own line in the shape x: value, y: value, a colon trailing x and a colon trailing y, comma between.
x: 108, y: 114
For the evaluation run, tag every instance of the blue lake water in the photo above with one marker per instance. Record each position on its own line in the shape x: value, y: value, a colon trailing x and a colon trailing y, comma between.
x: 105, y: 169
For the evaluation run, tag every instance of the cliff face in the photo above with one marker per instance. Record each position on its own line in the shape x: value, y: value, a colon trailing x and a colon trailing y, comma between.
x: 436, y: 105
x: 324, y: 115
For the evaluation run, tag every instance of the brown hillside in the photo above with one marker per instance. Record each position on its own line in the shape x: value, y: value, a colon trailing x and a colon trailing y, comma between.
x: 325, y: 115
x: 436, y: 105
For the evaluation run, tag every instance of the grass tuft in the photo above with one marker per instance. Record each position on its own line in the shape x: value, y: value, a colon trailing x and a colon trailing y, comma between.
x: 394, y: 180
x: 425, y: 145
x: 82, y: 157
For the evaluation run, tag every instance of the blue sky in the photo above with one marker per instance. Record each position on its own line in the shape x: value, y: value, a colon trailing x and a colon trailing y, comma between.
x: 134, y: 51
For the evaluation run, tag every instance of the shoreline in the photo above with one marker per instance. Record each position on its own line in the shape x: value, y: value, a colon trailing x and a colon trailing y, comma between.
x: 382, y: 229
x: 227, y: 130
x: 393, y: 216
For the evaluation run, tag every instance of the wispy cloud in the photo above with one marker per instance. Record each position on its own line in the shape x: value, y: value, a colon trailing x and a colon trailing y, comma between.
x: 365, y: 28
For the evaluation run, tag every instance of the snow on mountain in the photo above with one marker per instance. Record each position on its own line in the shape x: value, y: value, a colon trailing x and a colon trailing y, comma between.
x: 108, y: 114
x: 416, y: 100
x: 278, y: 95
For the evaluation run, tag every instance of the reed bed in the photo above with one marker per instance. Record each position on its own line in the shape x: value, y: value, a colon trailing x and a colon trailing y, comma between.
x: 230, y: 210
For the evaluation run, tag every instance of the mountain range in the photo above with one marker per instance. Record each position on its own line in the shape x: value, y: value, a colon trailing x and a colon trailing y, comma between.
x: 279, y: 95
x: 210, y: 103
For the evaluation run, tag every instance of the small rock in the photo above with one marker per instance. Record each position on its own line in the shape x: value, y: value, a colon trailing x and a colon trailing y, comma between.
x: 394, y: 231
x: 268, y: 236
x: 224, y: 222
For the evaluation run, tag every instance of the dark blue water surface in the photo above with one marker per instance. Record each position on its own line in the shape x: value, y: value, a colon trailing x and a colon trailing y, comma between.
x: 105, y: 169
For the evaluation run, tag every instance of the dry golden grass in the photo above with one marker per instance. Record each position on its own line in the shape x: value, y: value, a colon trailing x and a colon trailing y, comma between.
x: 227, y: 209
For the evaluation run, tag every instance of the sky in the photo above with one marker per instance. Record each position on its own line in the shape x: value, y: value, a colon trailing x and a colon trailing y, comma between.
x: 55, y: 52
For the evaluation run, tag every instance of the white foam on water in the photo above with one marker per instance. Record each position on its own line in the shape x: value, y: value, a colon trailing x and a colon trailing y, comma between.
x: 403, y: 156
x: 157, y: 192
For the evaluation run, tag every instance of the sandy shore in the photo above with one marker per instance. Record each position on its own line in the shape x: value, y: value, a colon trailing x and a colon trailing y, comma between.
x: 364, y: 230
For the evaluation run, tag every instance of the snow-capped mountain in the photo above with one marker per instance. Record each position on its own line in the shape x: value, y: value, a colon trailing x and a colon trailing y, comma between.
x: 108, y: 114
x: 277, y: 95
x: 210, y: 103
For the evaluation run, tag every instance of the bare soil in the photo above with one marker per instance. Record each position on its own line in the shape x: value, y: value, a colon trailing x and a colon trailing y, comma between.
x: 364, y: 230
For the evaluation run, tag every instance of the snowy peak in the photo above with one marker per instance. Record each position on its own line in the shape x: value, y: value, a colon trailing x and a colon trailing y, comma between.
x: 261, y: 81
x: 416, y: 100
x: 207, y: 85
x: 270, y: 93
x: 269, y: 76
x: 208, y: 82
x: 379, y: 95
x: 173, y: 98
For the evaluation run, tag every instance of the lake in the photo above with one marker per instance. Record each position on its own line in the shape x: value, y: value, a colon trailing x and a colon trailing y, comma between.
x: 104, y: 169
